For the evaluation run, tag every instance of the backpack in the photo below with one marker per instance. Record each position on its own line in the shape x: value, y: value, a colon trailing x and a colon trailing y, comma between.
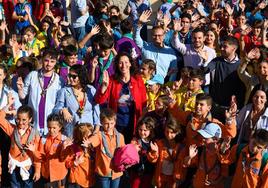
x: 263, y: 160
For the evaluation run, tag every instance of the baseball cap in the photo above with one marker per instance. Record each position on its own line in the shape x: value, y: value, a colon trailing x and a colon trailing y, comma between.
x: 210, y: 130
x: 157, y: 79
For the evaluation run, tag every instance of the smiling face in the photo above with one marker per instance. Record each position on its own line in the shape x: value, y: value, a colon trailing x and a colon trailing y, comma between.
x: 255, y: 147
x: 54, y: 128
x: 73, y: 78
x: 108, y: 124
x: 144, y: 133
x: 210, y: 37
x: 202, y: 108
x: 23, y: 120
x: 198, y: 39
x: 195, y: 84
x: 49, y: 64
x: 158, y: 37
x: 124, y: 65
x: 259, y: 99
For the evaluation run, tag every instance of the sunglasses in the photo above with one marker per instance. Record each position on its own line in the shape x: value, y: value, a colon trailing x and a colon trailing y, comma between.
x: 73, y: 76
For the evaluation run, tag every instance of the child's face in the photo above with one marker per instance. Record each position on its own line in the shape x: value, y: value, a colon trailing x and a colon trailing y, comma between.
x: 160, y: 106
x: 54, y: 128
x: 145, y: 71
x: 202, y: 108
x: 49, y: 63
x: 71, y: 60
x: 113, y: 12
x: 23, y: 120
x: 45, y: 26
x: 21, y: 1
x: 30, y: 36
x: 194, y: 84
x: 170, y: 134
x: 105, y: 53
x: 144, y: 133
x: 108, y: 124
x: 255, y: 147
x: 154, y: 88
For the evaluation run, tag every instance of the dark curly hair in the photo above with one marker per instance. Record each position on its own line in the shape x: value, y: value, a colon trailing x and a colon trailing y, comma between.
x: 57, y: 118
x: 7, y: 80
x: 133, y: 68
x: 149, y: 123
x: 81, y: 71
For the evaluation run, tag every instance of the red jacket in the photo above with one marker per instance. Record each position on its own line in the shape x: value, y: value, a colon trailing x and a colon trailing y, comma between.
x: 112, y: 94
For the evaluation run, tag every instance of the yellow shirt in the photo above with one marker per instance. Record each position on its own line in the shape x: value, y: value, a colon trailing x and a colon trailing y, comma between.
x: 186, y: 99
x: 36, y: 46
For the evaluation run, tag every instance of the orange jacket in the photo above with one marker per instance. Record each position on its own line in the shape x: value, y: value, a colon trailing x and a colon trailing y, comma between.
x: 163, y: 155
x: 192, y: 135
x: 209, y: 168
x: 53, y: 168
x: 246, y: 176
x: 83, y: 173
x: 14, y: 151
x: 103, y: 162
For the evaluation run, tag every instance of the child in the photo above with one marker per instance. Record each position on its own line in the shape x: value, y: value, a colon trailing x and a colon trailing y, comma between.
x: 186, y: 99
x: 70, y: 58
x: 33, y: 45
x: 160, y: 114
x: 147, y: 69
x: 153, y: 91
x: 165, y: 153
x: 251, y: 167
x: 103, y: 61
x: 20, y: 15
x: 198, y: 119
x: 79, y: 159
x: 105, y: 142
x: 210, y: 173
x: 53, y: 170
x: 22, y: 166
x: 142, y: 173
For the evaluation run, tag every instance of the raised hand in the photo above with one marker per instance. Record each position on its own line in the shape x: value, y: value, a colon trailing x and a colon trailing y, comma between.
x: 79, y: 159
x: 154, y: 147
x: 20, y: 83
x: 27, y: 9
x: 166, y: 20
x: 242, y: 6
x: 177, y: 25
x: 144, y: 17
x: 176, y: 85
x: 225, y: 145
x: 3, y: 26
x: 95, y: 30
x: 106, y: 79
x: 10, y: 99
x: 67, y: 143
x: 265, y: 24
x: 254, y: 54
x: 30, y: 147
x: 203, y: 54
x: 86, y: 142
x: 231, y: 113
x: 94, y: 62
x: 193, y: 151
x: 228, y: 9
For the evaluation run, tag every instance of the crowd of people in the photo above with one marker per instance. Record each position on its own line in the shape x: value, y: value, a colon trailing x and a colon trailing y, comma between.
x: 188, y: 97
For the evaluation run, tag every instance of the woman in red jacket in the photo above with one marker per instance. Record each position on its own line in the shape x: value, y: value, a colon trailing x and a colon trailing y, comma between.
x: 125, y: 93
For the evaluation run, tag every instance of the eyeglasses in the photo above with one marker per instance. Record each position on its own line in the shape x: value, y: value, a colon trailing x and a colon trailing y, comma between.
x: 73, y: 76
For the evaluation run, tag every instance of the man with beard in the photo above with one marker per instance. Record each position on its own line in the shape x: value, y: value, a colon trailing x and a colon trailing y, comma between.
x: 42, y: 87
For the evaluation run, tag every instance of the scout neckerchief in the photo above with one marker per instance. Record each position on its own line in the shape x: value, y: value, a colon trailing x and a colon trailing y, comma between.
x: 22, y: 6
x: 106, y: 149
x: 128, y: 35
x: 167, y: 145
x: 29, y: 140
x: 41, y: 82
x: 207, y: 170
x: 81, y: 105
x: 31, y: 45
x: 107, y: 65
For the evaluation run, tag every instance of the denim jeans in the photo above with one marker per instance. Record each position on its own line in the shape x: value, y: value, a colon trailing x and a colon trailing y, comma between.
x: 107, y: 182
x: 17, y: 182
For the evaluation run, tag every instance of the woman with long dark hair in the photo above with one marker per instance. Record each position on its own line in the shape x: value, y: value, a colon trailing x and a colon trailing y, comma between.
x: 76, y: 101
x: 125, y: 93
